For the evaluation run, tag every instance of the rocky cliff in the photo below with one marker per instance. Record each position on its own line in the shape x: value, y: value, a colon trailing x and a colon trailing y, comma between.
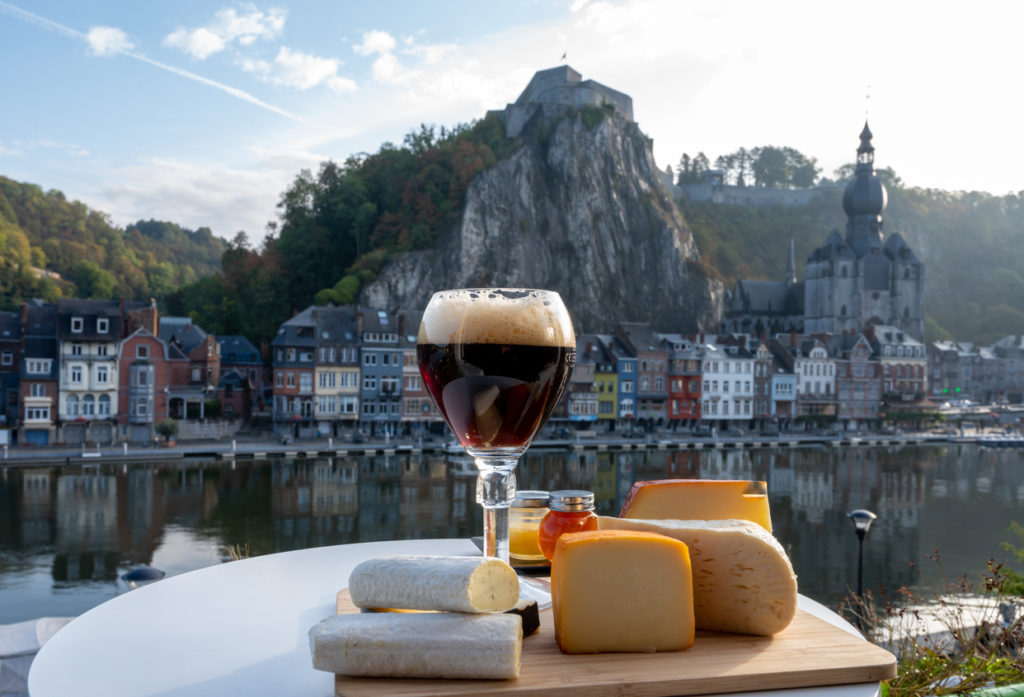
x: 579, y: 208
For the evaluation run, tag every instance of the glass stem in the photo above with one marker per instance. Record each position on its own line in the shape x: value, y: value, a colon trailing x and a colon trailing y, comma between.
x: 496, y: 494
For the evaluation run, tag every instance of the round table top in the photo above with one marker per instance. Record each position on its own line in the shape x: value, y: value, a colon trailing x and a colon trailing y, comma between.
x: 241, y: 628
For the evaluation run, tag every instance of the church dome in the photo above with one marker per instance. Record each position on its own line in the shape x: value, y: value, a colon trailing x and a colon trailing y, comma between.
x: 865, y: 194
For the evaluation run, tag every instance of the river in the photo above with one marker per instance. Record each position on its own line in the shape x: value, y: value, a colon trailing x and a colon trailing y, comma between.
x: 67, y: 533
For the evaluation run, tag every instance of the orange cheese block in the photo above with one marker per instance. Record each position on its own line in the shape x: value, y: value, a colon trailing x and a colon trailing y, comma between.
x: 621, y: 591
x: 699, y: 499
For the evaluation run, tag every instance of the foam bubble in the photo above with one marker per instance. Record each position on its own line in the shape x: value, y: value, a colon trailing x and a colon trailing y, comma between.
x: 496, y: 316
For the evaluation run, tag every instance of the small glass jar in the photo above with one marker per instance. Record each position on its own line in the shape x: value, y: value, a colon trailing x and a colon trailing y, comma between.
x: 572, y: 510
x: 527, y: 510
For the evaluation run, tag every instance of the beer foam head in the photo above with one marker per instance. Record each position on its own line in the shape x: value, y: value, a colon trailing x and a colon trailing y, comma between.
x: 496, y: 316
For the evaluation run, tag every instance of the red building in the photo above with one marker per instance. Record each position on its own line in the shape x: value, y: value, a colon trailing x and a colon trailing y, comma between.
x: 150, y: 370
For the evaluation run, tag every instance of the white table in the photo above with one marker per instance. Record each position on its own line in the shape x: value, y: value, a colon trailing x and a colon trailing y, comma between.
x: 241, y: 629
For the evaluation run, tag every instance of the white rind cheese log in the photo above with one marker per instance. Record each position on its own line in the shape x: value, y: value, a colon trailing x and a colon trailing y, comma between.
x: 425, y: 645
x: 449, y: 584
x: 743, y: 582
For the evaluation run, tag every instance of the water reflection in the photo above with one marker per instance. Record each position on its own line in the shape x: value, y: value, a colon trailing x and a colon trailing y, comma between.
x: 67, y: 533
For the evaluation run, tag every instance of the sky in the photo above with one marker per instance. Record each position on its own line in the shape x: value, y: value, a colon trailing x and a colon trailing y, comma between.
x: 203, y: 112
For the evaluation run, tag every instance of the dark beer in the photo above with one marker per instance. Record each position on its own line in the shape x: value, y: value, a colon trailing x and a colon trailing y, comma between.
x: 495, y: 395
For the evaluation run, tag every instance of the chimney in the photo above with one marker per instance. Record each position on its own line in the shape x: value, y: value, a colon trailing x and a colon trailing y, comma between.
x: 401, y: 324
x: 359, y: 323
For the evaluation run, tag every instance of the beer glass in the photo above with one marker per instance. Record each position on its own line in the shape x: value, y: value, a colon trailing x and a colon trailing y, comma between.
x: 495, y: 361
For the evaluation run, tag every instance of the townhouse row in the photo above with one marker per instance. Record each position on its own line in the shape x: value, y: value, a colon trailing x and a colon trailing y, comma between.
x: 88, y: 371
x: 338, y: 368
x: 79, y: 371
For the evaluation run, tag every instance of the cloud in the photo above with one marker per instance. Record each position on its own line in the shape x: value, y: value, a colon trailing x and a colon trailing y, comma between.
x: 199, y: 43
x: 104, y: 40
x: 108, y: 41
x: 297, y: 70
x: 225, y: 199
x: 375, y: 42
x: 386, y: 67
x: 228, y: 25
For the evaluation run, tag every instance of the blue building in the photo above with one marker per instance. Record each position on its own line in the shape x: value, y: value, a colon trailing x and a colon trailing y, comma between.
x: 626, y: 366
x: 381, y: 360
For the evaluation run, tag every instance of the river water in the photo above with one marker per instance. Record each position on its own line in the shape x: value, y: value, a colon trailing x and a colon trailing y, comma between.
x: 67, y: 533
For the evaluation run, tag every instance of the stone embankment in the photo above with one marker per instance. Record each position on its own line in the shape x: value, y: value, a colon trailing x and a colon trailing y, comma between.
x: 227, y: 449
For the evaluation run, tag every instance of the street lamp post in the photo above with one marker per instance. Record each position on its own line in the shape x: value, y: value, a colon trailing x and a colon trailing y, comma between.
x: 861, y: 520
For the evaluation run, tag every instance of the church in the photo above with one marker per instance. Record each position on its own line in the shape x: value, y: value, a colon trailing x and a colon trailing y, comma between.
x: 851, y: 282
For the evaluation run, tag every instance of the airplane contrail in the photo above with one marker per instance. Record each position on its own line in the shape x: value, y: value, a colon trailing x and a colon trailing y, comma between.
x: 57, y: 28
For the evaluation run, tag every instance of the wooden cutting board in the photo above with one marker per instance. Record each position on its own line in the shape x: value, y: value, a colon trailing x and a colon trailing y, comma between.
x: 810, y: 652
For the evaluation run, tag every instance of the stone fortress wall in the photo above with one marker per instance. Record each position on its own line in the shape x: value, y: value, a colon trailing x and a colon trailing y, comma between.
x: 711, y: 189
x: 555, y: 90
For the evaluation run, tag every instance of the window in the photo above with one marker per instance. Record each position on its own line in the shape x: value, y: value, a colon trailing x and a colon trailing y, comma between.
x: 197, y: 373
x: 347, y: 405
x: 77, y: 323
x: 627, y: 367
x: 725, y: 385
x: 659, y: 383
x: 290, y: 354
x: 37, y: 389
x: 72, y: 405
x: 37, y: 366
x: 389, y: 384
x: 369, y: 358
x: 412, y: 383
x: 289, y: 379
x: 37, y: 414
x: 142, y: 351
x: 369, y: 382
x: 76, y: 349
x: 694, y: 385
x: 88, y: 405
x: 645, y: 383
x: 279, y: 379
x: 7, y: 357
x: 76, y: 375
x: 369, y: 408
x: 627, y: 386
x: 102, y: 374
x: 102, y: 325
x: 306, y: 382
x: 141, y: 407
x: 142, y: 377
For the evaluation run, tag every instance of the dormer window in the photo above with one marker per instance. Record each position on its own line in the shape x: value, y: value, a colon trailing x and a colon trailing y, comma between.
x: 77, y: 324
x: 102, y: 325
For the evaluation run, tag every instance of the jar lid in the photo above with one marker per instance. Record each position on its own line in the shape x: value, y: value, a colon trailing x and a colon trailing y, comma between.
x: 531, y: 499
x: 572, y: 500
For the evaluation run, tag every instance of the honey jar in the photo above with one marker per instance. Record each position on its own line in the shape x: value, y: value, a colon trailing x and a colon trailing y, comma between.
x: 525, y: 514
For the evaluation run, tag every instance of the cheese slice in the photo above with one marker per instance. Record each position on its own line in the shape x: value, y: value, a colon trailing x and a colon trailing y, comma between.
x: 419, y: 645
x: 621, y: 591
x: 424, y: 582
x: 743, y: 581
x: 699, y: 499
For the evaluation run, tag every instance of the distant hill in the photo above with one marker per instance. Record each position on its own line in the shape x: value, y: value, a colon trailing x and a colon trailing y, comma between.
x: 972, y: 245
x: 51, y: 247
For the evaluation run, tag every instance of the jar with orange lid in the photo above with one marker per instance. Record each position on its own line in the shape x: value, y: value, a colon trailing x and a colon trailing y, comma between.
x: 572, y: 510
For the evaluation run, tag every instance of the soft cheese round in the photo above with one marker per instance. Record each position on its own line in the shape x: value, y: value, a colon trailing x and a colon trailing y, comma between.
x: 429, y: 582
